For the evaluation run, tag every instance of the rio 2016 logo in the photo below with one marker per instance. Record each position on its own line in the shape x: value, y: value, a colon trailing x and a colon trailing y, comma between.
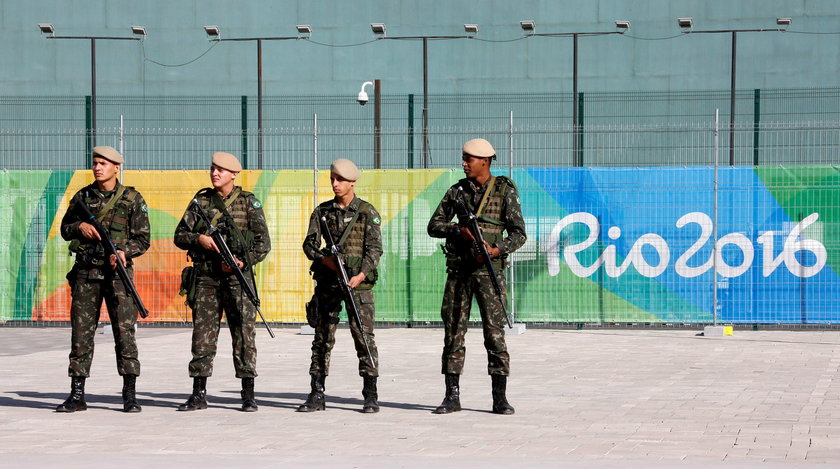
x: 794, y: 243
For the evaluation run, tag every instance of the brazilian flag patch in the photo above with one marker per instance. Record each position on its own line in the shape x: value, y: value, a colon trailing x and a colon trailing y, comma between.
x: 256, y: 204
x: 376, y: 220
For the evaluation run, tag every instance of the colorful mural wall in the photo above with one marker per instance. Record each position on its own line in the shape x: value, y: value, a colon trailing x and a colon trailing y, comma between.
x: 613, y: 245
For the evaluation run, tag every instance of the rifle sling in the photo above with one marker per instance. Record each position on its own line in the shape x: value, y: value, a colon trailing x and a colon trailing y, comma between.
x: 107, y: 208
x: 486, y: 196
x: 348, y: 228
x: 221, y: 207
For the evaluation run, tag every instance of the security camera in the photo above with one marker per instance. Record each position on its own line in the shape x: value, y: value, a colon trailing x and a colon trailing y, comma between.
x: 362, y: 98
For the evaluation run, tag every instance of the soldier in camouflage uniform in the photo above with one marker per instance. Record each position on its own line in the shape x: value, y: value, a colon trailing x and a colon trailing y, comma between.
x: 355, y: 226
x: 122, y: 211
x: 217, y: 290
x: 495, y: 201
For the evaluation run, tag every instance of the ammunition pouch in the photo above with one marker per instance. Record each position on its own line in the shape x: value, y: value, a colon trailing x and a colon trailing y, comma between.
x: 313, y: 313
x: 188, y: 285
x: 72, y: 276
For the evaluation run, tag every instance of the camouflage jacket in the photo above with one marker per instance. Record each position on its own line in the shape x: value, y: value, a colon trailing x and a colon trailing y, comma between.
x: 362, y: 248
x: 127, y: 223
x: 247, y: 213
x: 502, y: 212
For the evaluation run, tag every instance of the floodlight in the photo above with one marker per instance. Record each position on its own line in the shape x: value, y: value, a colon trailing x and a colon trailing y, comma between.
x: 46, y: 28
x: 304, y: 29
x: 685, y: 22
x: 471, y: 28
x: 213, y: 32
x: 528, y: 25
x: 139, y: 30
x: 378, y: 28
x: 622, y: 24
x: 783, y: 21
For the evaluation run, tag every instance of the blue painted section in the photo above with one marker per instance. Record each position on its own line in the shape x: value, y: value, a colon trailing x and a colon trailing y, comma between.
x: 644, y: 201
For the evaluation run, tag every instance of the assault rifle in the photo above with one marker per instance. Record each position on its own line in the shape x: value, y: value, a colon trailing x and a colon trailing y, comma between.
x: 227, y: 257
x: 481, y: 247
x: 108, y: 246
x: 344, y: 282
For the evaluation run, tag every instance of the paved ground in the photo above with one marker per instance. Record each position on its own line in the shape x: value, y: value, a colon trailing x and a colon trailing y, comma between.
x: 592, y: 399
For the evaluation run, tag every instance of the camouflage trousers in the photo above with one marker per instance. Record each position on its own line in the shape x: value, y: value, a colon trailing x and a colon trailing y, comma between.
x: 330, y: 298
x: 455, y: 313
x: 216, y: 296
x: 88, y: 295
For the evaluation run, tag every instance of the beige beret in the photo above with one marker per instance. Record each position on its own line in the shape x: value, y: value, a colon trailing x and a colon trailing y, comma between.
x: 480, y: 148
x: 345, y: 169
x: 109, y: 153
x: 226, y: 161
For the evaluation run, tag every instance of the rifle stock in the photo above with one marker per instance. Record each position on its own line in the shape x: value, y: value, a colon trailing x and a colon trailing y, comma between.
x: 344, y: 282
x: 109, y: 248
x: 228, y: 258
x: 481, y: 247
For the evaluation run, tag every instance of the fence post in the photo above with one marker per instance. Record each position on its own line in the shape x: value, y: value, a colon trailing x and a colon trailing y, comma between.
x: 88, y: 131
x: 411, y: 131
x: 511, y: 271
x: 715, y: 222
x: 410, y: 229
x: 244, y: 114
x: 579, y: 131
x: 756, y: 121
x: 315, y: 161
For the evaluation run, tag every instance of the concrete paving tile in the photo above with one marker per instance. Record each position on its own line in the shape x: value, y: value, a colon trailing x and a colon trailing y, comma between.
x: 766, y: 396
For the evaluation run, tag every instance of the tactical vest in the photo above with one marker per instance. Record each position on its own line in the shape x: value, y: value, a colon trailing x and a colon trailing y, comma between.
x: 459, y: 254
x: 117, y: 221
x: 353, y: 246
x: 492, y: 228
x: 238, y: 210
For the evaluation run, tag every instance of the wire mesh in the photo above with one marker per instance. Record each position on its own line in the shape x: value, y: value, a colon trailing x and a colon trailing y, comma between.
x: 646, y: 190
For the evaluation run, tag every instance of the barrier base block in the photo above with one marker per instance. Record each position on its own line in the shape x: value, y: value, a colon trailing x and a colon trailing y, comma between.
x: 717, y: 331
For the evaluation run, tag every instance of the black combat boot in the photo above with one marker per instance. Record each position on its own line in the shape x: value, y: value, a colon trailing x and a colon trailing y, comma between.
x: 128, y: 394
x: 316, y: 400
x: 452, y: 401
x: 500, y: 403
x: 371, y: 405
x: 198, y: 398
x: 249, y: 404
x: 76, y: 400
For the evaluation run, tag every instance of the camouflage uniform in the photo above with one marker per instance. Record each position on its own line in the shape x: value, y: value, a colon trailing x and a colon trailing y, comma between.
x: 467, y: 278
x: 219, y: 292
x: 362, y: 249
x: 92, y: 279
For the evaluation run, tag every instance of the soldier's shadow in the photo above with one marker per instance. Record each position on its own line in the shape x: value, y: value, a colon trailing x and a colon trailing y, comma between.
x: 215, y: 399
x: 50, y: 400
x: 294, y: 400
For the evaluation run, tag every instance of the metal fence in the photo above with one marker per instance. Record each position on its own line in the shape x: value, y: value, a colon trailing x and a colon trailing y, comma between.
x: 639, y: 164
x: 519, y: 144
x: 772, y: 126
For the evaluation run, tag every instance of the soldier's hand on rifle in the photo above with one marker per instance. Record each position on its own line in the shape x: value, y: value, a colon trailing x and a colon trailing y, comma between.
x: 88, y: 231
x: 227, y: 268
x: 330, y: 262
x: 113, y: 259
x: 356, y: 280
x: 207, y: 243
x: 493, y: 251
